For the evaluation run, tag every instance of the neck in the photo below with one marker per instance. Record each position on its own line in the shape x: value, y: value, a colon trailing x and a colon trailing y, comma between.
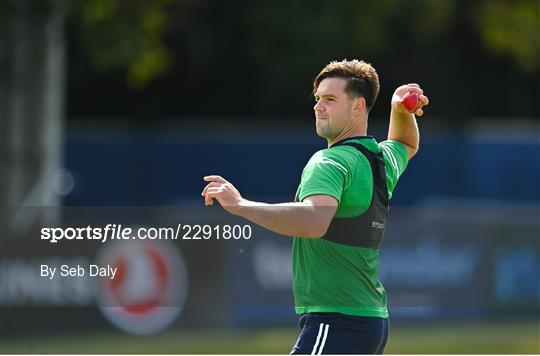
x: 355, y: 130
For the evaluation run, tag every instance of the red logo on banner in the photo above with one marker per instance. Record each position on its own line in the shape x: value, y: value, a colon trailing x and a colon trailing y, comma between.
x: 150, y: 286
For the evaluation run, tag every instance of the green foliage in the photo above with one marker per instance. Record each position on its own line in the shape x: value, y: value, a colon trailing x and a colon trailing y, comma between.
x: 513, y: 28
x: 126, y: 34
x: 134, y: 35
x: 430, y: 19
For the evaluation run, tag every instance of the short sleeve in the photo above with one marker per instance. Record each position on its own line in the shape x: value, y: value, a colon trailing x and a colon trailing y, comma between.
x: 396, y: 160
x: 325, y: 173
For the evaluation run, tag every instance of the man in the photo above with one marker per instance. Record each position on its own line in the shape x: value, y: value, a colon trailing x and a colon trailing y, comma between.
x: 340, y: 210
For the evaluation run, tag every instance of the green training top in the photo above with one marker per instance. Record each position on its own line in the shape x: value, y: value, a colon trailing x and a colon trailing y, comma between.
x: 332, y: 277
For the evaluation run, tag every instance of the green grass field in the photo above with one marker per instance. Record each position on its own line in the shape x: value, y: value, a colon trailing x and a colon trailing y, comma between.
x: 511, y: 337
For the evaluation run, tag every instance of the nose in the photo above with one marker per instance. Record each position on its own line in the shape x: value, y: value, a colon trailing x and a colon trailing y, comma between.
x: 318, y: 107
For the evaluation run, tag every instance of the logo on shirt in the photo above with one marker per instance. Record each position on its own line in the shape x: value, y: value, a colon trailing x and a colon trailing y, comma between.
x: 377, y: 225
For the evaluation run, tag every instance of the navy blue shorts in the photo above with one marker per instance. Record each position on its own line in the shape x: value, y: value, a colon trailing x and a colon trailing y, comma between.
x: 334, y: 333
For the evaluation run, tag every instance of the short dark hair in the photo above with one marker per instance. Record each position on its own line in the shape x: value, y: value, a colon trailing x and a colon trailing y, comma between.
x: 362, y: 79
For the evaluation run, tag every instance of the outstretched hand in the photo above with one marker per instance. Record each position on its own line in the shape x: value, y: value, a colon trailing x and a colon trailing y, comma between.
x: 402, y: 91
x: 225, y: 193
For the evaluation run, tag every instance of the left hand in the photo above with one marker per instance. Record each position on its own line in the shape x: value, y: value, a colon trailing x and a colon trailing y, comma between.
x: 402, y: 91
x: 225, y: 193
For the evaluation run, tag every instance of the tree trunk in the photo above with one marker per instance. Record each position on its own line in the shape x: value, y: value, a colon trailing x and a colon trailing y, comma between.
x: 31, y: 108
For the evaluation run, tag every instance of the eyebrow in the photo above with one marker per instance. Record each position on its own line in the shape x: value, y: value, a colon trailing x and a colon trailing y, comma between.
x: 325, y: 96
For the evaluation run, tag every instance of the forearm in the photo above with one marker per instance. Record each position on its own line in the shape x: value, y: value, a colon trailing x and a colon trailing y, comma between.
x: 290, y: 219
x: 404, y: 128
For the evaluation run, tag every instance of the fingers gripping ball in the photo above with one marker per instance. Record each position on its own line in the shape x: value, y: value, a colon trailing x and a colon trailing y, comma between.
x: 410, y: 102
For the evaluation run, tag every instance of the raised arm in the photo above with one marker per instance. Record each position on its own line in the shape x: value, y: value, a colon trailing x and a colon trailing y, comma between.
x: 403, y: 126
x: 309, y: 218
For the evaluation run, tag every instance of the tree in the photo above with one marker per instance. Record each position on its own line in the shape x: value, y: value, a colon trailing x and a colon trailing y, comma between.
x: 31, y: 103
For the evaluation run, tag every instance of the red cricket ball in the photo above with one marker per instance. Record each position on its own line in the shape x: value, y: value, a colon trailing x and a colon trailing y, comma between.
x: 410, y: 101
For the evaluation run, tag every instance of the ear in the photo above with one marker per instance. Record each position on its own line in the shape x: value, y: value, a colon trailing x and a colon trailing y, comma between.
x: 360, y: 105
